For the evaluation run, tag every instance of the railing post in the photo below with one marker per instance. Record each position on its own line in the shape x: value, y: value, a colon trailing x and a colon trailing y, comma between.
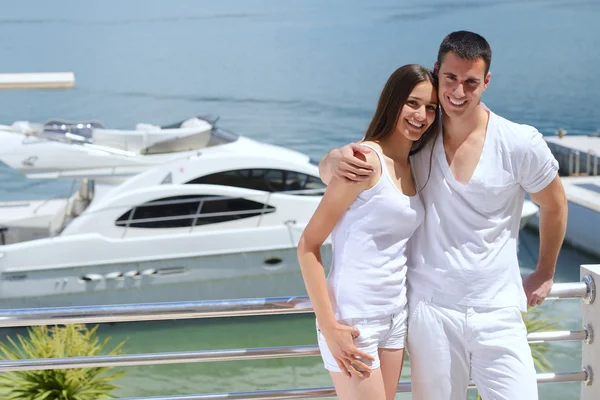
x: 590, y: 359
x: 570, y: 163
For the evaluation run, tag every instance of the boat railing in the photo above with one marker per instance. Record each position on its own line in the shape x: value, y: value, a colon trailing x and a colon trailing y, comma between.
x: 198, y: 215
x: 574, y: 162
x: 591, y: 163
x: 584, y: 290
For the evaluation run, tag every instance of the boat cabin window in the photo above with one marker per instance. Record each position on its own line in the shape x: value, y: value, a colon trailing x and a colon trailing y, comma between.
x: 183, y: 211
x: 268, y: 180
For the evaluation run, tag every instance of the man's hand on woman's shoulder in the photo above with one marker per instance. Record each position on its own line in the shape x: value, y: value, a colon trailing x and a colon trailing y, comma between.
x: 349, y: 163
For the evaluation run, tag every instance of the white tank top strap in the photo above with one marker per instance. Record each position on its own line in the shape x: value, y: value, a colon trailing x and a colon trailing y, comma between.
x: 414, y: 175
x: 384, y: 170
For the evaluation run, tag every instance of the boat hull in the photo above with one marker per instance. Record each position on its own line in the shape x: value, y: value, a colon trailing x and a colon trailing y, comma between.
x: 268, y: 273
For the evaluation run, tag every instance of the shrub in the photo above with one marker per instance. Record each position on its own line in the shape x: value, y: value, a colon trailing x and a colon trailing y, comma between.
x: 58, y: 384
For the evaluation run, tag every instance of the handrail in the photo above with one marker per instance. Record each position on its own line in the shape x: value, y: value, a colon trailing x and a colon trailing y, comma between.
x: 259, y: 211
x: 259, y: 196
x: 573, y: 290
x: 585, y: 335
x: 207, y: 309
x: 127, y: 360
x: 154, y: 311
x: 213, y: 197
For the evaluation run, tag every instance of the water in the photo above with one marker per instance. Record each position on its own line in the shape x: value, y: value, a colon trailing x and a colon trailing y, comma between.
x: 302, y: 74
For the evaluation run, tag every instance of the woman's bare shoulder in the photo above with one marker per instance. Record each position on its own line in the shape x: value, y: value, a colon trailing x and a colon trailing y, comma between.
x: 371, y: 157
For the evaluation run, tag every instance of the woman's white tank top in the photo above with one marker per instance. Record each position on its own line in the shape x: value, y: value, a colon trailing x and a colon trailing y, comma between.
x: 368, y: 272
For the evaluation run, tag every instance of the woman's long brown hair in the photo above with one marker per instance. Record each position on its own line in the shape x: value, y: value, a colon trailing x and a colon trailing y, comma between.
x: 393, y: 97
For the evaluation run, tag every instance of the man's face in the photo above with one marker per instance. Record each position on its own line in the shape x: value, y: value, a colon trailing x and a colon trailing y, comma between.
x: 461, y: 84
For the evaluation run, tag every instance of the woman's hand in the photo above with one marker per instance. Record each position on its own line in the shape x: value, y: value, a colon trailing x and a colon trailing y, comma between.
x: 340, y: 341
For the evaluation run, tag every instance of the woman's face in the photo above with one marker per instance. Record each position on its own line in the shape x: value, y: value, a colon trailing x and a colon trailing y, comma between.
x: 418, y: 113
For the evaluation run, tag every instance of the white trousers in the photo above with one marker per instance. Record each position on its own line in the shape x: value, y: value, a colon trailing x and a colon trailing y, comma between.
x: 447, y: 344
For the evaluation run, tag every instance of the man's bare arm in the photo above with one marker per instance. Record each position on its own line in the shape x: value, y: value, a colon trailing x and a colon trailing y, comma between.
x: 553, y: 224
x: 343, y: 163
x: 328, y: 163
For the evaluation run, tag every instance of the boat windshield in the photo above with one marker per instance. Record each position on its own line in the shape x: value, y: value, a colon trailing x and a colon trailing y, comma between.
x: 71, y: 131
x: 219, y: 136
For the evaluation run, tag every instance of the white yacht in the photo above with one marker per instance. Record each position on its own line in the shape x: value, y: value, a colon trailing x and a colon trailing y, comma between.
x: 209, y: 226
x: 67, y: 149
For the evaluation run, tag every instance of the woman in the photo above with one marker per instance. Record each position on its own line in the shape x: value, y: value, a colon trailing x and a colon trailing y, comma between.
x: 361, y: 307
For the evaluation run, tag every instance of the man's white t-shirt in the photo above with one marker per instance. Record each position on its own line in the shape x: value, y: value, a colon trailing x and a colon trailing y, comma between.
x: 465, y: 252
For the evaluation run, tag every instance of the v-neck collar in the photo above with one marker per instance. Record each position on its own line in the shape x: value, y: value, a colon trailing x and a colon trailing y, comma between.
x: 441, y: 155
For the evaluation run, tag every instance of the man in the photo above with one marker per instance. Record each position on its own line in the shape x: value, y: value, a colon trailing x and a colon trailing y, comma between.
x: 466, y: 294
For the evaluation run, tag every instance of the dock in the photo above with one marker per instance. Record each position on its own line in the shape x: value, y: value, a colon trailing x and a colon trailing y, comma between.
x: 576, y: 155
x: 579, y: 159
x: 583, y: 226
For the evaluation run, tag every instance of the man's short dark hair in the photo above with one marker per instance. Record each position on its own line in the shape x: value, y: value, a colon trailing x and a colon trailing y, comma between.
x: 466, y: 45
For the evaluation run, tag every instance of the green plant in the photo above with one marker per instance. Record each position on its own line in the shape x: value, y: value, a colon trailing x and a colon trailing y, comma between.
x: 58, y: 384
x: 535, y: 323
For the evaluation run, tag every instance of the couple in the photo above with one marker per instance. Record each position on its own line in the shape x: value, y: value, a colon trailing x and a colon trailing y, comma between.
x: 424, y: 217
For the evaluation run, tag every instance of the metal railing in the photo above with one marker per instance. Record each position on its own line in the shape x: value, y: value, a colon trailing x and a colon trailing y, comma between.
x: 584, y: 290
x: 195, y: 215
x: 591, y: 163
x: 574, y: 156
x: 575, y: 163
x: 128, y: 360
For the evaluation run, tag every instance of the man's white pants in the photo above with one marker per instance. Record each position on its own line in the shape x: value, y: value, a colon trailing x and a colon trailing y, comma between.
x: 447, y: 343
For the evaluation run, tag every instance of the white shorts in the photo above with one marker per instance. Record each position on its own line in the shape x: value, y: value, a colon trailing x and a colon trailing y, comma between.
x: 449, y: 343
x: 388, y: 332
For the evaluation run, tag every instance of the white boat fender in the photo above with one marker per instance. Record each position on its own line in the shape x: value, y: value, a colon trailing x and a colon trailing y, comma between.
x: 117, y: 275
x: 135, y: 274
x: 91, y: 278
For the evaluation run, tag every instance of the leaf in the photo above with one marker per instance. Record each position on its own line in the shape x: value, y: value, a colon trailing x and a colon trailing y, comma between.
x: 44, y: 395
